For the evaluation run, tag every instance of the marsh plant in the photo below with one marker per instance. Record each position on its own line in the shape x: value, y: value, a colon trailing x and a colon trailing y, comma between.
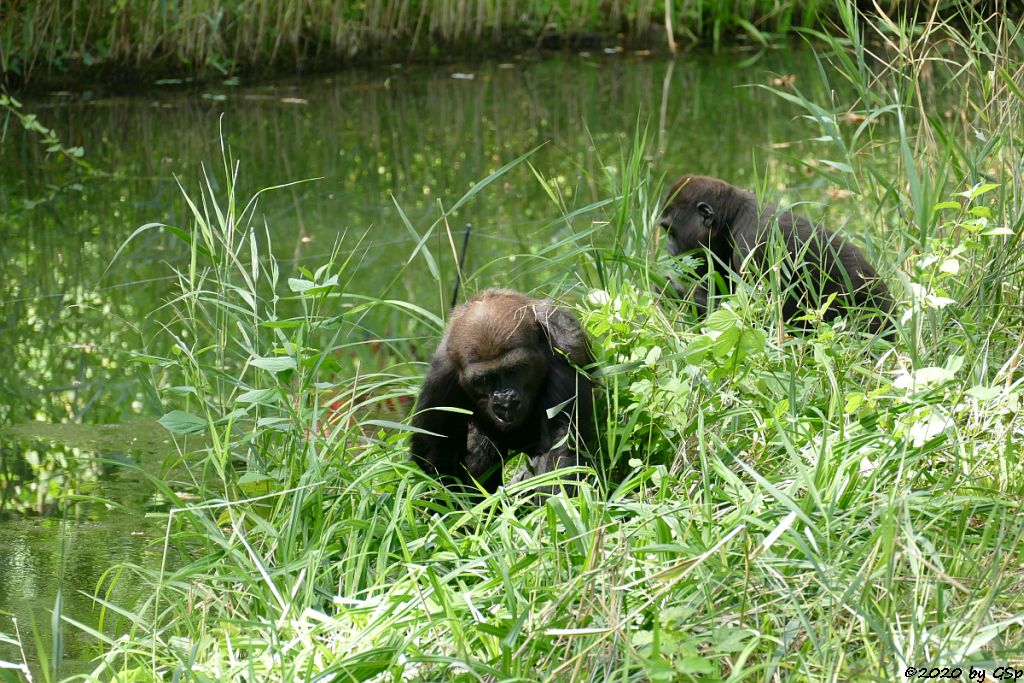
x: 176, y: 42
x: 766, y: 505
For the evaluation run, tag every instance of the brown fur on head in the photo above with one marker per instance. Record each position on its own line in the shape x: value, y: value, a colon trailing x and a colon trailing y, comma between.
x: 496, y: 343
x: 490, y: 325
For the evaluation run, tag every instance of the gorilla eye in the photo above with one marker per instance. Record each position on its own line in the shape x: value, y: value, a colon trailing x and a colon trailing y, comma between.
x: 481, y: 380
x: 514, y: 367
x: 705, y: 210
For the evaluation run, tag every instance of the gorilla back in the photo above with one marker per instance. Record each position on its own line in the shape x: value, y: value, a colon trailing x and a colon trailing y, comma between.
x: 726, y: 221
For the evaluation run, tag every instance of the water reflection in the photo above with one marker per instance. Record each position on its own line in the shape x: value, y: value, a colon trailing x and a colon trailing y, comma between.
x: 415, y: 136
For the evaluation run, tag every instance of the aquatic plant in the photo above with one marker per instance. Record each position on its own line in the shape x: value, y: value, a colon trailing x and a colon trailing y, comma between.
x: 160, y: 39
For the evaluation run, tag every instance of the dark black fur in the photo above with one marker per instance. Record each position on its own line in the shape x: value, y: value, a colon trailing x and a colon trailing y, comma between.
x: 710, y: 214
x: 527, y: 349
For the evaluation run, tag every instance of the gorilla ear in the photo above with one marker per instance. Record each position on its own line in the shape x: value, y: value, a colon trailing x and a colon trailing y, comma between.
x: 706, y: 213
x: 563, y: 332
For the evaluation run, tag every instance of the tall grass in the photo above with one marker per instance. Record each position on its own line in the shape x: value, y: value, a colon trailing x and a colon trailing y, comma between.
x: 147, y: 38
x: 769, y: 507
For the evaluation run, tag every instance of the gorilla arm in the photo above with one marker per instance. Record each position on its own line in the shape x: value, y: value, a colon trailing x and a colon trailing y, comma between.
x: 442, y: 452
x: 567, y: 392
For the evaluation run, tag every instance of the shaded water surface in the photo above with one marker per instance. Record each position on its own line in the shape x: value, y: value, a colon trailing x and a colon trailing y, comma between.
x: 78, y: 441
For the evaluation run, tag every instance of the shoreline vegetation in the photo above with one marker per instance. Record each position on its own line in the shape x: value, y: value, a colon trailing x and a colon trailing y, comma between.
x: 768, y: 506
x: 55, y: 43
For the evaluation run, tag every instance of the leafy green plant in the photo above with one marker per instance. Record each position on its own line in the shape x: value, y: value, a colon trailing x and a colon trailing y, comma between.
x: 48, y: 138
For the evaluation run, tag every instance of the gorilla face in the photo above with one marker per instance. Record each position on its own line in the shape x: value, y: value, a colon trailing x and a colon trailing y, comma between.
x: 505, y: 388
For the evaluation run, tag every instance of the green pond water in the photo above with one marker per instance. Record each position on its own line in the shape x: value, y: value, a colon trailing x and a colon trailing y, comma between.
x: 78, y: 436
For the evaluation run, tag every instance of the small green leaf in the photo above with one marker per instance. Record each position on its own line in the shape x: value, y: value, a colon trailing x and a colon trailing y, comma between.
x: 297, y: 285
x: 281, y: 324
x: 721, y: 320
x: 781, y: 408
x: 274, y: 363
x: 146, y: 359
x: 932, y: 375
x: 275, y: 423
x: 251, y: 477
x: 694, y: 665
x: 924, y: 377
x: 979, y: 190
x: 258, y: 396
x: 752, y: 341
x: 954, y: 363
x: 255, y: 483
x: 983, y: 393
x: 232, y: 416
x: 556, y: 409
x: 697, y: 350
x: 726, y: 342
x: 838, y: 165
x: 180, y: 422
x: 729, y: 639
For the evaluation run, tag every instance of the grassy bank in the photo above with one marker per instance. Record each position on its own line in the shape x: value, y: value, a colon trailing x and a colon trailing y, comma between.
x: 766, y: 507
x: 56, y: 40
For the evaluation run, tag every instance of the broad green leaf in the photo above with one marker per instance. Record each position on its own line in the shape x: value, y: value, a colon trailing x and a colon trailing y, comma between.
x: 721, y: 320
x: 297, y: 285
x: 180, y: 422
x: 696, y: 350
x: 258, y: 396
x: 983, y: 393
x: 752, y: 341
x: 726, y: 342
x: 274, y: 363
x: 997, y: 231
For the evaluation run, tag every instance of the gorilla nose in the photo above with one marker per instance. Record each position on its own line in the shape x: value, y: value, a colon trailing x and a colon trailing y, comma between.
x: 506, y: 405
x: 665, y: 222
x: 505, y: 398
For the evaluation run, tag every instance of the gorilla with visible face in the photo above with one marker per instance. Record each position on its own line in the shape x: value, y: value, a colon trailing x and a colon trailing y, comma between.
x: 512, y: 362
x: 703, y: 213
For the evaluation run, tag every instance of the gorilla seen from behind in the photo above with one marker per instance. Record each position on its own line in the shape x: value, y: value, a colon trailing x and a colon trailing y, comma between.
x: 511, y: 360
x: 710, y: 214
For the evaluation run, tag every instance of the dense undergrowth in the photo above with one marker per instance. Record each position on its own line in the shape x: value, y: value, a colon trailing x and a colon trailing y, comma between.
x: 58, y: 42
x: 767, y: 506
